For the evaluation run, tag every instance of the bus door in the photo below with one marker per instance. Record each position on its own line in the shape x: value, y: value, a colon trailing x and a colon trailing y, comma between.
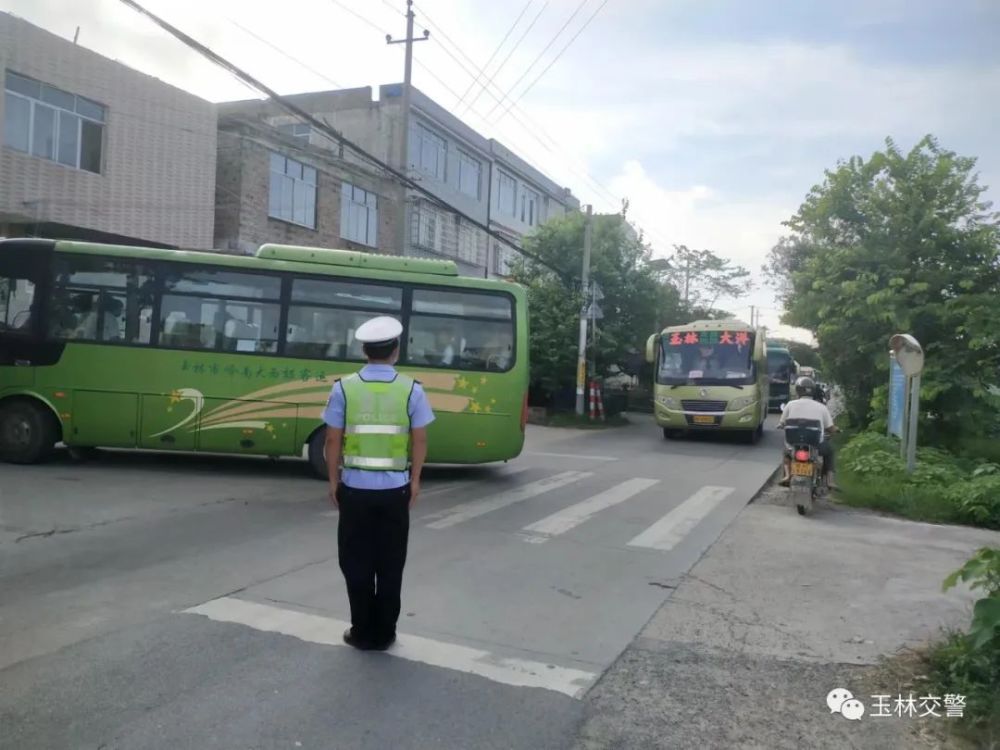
x: 23, y: 278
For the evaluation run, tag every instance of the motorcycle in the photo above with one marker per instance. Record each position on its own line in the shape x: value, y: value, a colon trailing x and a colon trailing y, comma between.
x: 807, y: 475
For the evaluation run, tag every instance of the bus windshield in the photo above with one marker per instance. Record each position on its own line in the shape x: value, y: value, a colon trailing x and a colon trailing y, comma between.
x: 779, y: 366
x: 707, y: 358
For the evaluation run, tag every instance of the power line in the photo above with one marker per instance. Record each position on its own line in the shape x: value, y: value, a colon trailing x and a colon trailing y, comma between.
x: 517, y: 44
x: 495, y: 51
x: 608, y: 196
x: 284, y: 54
x: 326, y: 129
x: 540, y: 55
x: 554, y: 59
x: 535, y: 131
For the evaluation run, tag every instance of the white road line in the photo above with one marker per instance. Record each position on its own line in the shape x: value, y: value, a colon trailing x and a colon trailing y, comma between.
x: 328, y: 631
x: 573, y: 455
x: 505, y: 471
x: 475, y: 508
x: 670, y: 530
x: 469, y: 485
x: 574, y: 515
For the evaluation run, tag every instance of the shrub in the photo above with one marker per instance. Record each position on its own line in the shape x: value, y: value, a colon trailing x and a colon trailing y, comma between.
x: 969, y: 664
x: 978, y: 499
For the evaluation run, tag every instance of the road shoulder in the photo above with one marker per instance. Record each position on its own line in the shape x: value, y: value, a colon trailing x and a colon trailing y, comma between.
x: 780, y: 611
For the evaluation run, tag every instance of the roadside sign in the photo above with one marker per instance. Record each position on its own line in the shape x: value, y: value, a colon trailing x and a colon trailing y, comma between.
x: 897, y: 398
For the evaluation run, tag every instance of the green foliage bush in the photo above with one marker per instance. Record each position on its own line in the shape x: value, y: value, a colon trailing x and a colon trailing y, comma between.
x: 943, y: 487
x: 969, y: 663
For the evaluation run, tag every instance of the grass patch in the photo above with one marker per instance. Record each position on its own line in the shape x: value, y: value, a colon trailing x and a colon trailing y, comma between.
x: 898, y: 498
x: 571, y: 419
x: 944, y: 487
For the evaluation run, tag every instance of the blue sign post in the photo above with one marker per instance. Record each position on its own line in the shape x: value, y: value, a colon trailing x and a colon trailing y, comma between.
x: 897, y: 398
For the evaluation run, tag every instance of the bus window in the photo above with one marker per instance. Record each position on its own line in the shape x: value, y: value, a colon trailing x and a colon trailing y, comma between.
x: 461, y: 330
x: 324, y: 315
x: 16, y: 299
x: 220, y: 310
x: 348, y: 294
x: 98, y: 299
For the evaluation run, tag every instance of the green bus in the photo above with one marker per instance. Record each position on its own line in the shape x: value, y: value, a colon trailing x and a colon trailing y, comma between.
x: 709, y: 375
x: 781, y: 370
x: 139, y: 348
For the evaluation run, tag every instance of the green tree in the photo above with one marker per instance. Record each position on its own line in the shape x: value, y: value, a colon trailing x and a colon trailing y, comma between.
x: 635, y: 304
x: 702, y: 278
x: 900, y: 242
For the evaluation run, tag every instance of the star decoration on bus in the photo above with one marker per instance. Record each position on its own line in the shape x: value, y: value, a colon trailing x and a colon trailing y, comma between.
x: 474, y: 407
x: 461, y: 383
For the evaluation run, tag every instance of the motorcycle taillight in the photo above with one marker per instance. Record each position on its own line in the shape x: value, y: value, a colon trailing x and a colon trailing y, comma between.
x: 801, y: 455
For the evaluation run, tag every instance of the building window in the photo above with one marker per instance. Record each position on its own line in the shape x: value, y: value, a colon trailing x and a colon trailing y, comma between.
x: 469, y: 171
x: 529, y: 207
x: 431, y: 153
x: 298, y: 130
x: 293, y: 192
x: 469, y: 244
x: 358, y: 215
x: 52, y: 124
x: 506, y: 195
x: 429, y: 230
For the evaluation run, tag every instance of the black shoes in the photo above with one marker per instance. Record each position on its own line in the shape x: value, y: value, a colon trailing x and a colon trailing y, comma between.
x: 364, y: 644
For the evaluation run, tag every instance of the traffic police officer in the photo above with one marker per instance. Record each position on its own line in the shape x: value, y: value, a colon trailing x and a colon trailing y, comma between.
x: 376, y: 444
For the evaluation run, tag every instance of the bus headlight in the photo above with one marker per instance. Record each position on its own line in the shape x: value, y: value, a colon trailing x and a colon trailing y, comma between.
x: 739, y: 404
x: 665, y: 401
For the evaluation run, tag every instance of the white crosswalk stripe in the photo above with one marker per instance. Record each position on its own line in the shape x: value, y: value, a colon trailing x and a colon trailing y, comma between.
x: 327, y: 631
x: 475, y: 508
x: 571, y: 517
x: 670, y: 530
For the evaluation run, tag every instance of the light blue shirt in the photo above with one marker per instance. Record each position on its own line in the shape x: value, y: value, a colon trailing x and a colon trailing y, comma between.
x: 419, y: 409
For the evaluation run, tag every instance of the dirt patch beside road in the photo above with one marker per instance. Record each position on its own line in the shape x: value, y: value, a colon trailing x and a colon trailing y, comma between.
x: 779, y: 612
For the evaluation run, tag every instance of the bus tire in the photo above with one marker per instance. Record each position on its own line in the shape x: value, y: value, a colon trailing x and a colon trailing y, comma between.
x: 317, y: 454
x: 28, y: 432
x: 669, y: 433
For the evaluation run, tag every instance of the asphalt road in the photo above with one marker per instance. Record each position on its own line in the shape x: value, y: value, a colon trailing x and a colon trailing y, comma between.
x: 152, y: 601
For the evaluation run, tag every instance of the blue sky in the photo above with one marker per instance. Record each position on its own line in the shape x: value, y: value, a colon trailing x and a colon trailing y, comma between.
x: 713, y: 117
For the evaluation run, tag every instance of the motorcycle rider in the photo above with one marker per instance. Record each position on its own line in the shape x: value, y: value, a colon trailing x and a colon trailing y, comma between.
x: 805, y: 407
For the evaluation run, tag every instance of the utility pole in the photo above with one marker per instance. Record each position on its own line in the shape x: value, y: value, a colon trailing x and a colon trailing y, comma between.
x: 404, y: 136
x: 581, y: 359
x: 751, y: 316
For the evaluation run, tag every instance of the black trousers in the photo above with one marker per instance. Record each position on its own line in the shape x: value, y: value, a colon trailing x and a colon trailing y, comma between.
x: 372, y: 536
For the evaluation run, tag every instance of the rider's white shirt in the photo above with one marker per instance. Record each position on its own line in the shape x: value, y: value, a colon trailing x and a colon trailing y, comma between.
x: 807, y: 408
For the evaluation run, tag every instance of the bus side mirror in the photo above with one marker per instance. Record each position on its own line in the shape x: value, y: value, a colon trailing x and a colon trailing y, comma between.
x: 651, y: 348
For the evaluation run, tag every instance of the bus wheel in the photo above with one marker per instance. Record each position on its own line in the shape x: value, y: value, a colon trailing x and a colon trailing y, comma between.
x: 28, y: 432
x: 671, y: 434
x: 317, y: 454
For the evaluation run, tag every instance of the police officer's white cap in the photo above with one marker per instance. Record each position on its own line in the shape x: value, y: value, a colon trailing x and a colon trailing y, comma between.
x: 380, y: 330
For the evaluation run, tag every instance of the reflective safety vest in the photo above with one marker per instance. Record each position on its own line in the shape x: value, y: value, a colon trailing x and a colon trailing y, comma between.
x: 376, y: 423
